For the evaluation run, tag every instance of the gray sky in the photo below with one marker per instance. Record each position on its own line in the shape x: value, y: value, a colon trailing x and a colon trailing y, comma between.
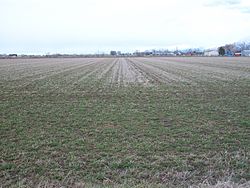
x: 90, y: 26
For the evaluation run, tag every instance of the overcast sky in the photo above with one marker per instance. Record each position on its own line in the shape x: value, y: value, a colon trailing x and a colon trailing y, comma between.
x: 91, y: 26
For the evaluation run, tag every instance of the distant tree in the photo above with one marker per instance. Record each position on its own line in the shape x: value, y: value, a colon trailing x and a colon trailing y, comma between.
x: 221, y: 51
x: 12, y: 55
x: 113, y: 53
x: 240, y: 46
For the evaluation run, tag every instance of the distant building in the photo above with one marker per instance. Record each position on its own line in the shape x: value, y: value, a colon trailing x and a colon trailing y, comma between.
x: 2, y: 55
x: 170, y: 54
x: 245, y: 53
x: 211, y: 53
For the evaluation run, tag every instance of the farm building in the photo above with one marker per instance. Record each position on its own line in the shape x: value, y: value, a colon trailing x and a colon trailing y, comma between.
x: 211, y: 53
x: 245, y: 53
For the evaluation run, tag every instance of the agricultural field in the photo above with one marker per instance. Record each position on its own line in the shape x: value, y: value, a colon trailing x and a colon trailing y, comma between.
x: 124, y: 122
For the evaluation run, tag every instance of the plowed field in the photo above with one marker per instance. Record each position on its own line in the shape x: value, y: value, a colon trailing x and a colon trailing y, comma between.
x: 175, y: 121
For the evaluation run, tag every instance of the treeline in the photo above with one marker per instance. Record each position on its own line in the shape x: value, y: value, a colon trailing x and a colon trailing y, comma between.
x: 231, y: 49
x: 235, y: 49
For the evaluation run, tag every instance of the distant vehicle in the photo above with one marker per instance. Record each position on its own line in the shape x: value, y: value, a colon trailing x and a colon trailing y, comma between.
x: 237, y: 54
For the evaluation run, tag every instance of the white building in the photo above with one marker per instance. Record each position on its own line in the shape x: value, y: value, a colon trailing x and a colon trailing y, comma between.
x: 211, y: 53
x: 245, y: 53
